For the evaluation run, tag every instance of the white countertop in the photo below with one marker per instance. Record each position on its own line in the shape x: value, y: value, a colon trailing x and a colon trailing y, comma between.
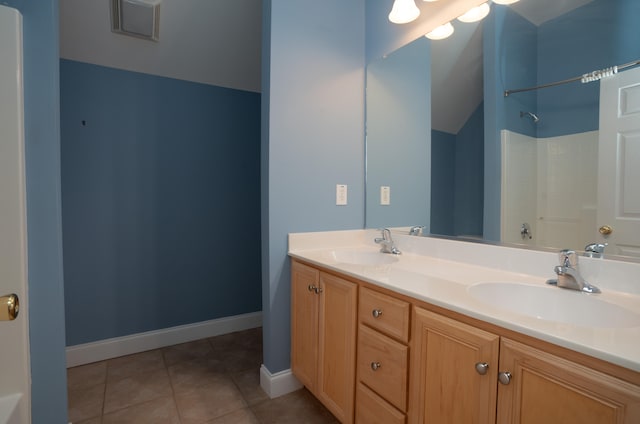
x: 440, y: 272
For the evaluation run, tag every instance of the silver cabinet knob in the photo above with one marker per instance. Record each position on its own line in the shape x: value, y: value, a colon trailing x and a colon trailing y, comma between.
x: 375, y: 366
x: 482, y: 368
x: 376, y: 313
x: 314, y: 288
x: 504, y: 377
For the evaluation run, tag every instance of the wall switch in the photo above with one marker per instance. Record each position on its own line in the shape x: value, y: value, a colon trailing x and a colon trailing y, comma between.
x: 385, y: 195
x: 341, y: 194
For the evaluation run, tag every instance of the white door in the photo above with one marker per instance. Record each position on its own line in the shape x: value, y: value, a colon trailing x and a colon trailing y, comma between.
x: 14, y: 348
x: 619, y: 163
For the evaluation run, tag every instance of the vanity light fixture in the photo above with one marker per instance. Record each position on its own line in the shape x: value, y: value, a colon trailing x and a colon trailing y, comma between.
x: 505, y: 1
x: 475, y: 14
x: 403, y: 11
x: 441, y: 32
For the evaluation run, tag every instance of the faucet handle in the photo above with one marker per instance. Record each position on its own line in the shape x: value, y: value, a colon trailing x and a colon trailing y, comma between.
x: 595, y: 248
x: 568, y: 258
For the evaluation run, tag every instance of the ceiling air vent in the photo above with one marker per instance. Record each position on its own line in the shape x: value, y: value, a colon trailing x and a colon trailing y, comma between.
x: 138, y: 18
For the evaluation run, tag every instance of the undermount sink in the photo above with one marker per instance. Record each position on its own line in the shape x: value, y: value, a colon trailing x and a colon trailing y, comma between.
x: 555, y: 304
x: 363, y: 257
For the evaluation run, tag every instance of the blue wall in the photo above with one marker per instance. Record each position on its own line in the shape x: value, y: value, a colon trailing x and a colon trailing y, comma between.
x: 443, y: 155
x: 469, y: 170
x: 42, y: 154
x: 457, y: 172
x: 398, y: 137
x: 160, y: 200
x: 314, y: 81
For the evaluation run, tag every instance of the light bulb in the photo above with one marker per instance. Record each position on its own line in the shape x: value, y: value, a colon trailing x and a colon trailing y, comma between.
x: 403, y: 11
x: 475, y: 14
x: 441, y: 32
x: 505, y: 1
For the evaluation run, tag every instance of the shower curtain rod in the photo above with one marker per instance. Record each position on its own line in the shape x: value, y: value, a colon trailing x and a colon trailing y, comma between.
x: 591, y: 76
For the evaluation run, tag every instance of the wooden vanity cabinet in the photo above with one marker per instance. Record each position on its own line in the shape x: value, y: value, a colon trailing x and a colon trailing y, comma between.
x: 450, y: 383
x: 544, y: 388
x: 416, y: 366
x: 323, y: 337
x: 453, y: 371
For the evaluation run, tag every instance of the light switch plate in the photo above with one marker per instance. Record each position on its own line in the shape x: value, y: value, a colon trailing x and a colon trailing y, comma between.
x: 341, y: 194
x: 385, y: 195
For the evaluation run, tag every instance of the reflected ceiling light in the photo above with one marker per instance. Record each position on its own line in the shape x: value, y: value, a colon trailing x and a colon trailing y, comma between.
x: 403, y: 11
x: 505, y: 1
x: 441, y: 32
x: 475, y: 14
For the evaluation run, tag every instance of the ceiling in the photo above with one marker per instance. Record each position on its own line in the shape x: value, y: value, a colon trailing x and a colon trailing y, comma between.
x: 216, y: 42
x: 456, y: 71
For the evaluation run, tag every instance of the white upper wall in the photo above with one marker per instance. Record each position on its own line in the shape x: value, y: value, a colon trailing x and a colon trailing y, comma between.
x: 214, y: 42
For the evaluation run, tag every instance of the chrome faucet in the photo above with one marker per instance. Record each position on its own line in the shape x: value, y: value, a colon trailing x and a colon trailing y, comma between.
x: 416, y: 230
x: 569, y: 276
x: 595, y: 250
x: 387, y: 242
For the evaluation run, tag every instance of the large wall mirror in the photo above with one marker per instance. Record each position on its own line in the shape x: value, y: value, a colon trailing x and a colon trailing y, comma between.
x: 554, y: 167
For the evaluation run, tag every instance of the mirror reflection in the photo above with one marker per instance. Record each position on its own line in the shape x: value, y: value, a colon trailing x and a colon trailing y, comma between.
x: 550, y: 167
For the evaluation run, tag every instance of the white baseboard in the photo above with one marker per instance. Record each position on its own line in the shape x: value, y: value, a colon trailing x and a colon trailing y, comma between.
x: 278, y: 384
x: 134, y: 343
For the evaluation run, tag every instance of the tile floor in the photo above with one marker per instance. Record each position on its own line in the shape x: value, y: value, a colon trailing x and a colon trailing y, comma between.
x: 209, y: 381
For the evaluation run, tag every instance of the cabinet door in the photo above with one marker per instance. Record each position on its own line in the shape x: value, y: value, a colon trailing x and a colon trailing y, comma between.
x: 445, y: 386
x: 337, y: 346
x: 547, y: 389
x: 304, y: 324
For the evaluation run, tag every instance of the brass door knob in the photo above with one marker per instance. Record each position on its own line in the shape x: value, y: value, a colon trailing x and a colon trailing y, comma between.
x: 605, y: 230
x: 9, y: 307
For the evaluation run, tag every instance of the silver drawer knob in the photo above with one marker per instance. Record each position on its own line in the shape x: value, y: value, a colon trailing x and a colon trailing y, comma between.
x: 482, y: 368
x: 376, y: 313
x: 375, y: 366
x: 504, y: 377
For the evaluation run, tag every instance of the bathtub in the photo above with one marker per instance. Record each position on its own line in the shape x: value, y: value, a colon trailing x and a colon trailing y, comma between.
x: 9, y: 410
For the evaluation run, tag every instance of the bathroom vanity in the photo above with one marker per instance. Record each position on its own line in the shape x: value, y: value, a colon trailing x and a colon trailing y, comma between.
x: 425, y: 336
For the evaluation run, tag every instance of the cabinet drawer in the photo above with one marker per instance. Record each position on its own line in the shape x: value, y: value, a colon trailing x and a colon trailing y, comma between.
x: 372, y: 409
x: 384, y: 313
x: 382, y: 365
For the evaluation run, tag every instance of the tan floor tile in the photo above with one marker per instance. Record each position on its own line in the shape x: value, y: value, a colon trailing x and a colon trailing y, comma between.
x: 159, y: 411
x: 96, y: 420
x: 251, y: 338
x: 186, y: 352
x: 209, y: 402
x: 249, y: 384
x: 236, y: 358
x: 86, y: 376
x: 136, y: 389
x: 299, y: 407
x: 193, y: 375
x: 86, y: 403
x: 126, y: 366
x: 241, y: 416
